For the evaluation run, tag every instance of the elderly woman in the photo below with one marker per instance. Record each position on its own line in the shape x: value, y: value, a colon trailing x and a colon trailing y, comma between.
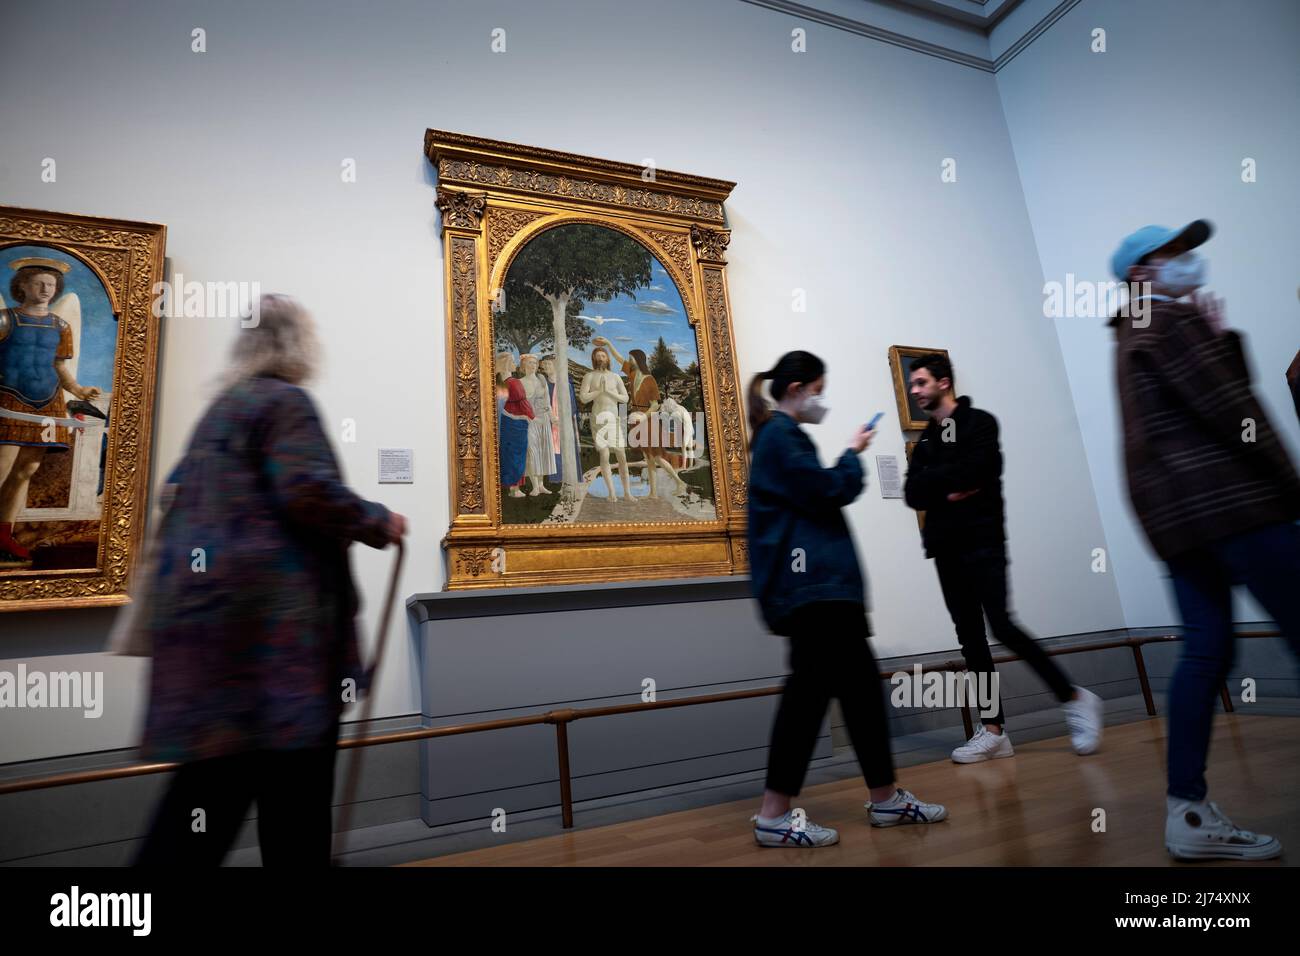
x: 250, y: 611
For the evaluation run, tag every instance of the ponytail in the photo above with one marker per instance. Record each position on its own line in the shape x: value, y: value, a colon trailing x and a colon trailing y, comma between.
x: 759, y: 408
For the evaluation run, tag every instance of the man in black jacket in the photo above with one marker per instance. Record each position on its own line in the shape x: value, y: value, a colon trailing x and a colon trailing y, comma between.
x: 955, y: 477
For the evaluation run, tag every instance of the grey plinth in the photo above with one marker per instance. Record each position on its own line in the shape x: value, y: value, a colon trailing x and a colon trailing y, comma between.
x: 488, y: 655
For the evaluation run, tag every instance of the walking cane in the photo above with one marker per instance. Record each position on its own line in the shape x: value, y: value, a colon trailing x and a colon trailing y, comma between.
x: 354, y: 771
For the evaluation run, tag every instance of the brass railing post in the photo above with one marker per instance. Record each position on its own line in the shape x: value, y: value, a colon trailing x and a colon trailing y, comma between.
x: 561, y: 720
x: 1142, y: 679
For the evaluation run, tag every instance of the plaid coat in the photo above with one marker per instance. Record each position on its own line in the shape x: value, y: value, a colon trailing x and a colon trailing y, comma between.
x: 1186, y: 402
x: 250, y: 651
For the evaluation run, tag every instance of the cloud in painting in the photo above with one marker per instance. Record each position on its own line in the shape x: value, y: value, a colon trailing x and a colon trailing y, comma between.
x: 656, y: 307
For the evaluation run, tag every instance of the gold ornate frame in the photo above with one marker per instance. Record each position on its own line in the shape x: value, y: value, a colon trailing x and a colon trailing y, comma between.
x: 128, y: 259
x: 494, y: 197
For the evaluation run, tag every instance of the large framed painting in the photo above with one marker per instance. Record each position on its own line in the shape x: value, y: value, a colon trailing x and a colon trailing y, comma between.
x: 596, y: 422
x: 78, y: 346
x: 910, y: 414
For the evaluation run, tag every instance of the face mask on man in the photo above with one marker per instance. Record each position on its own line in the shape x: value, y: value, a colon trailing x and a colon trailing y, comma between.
x: 1182, y: 274
x: 813, y: 409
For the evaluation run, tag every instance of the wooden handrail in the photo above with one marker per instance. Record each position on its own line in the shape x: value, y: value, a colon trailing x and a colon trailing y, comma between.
x: 563, y: 717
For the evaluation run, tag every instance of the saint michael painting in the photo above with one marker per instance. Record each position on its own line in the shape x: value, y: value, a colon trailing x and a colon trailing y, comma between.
x: 58, y: 340
x: 600, y: 412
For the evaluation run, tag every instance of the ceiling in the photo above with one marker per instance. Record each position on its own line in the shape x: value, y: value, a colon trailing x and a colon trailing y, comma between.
x: 955, y: 30
x: 980, y: 13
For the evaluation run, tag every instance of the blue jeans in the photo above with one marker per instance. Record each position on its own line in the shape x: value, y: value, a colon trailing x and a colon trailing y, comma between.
x: 1267, y: 561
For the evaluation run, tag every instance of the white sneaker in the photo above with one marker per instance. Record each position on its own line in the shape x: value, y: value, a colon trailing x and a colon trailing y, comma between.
x: 985, y: 745
x: 1199, y: 831
x: 784, y: 833
x: 1084, y: 718
x: 903, y: 807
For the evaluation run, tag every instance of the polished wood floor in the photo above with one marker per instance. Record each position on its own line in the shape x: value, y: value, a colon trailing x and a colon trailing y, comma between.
x: 1033, y: 809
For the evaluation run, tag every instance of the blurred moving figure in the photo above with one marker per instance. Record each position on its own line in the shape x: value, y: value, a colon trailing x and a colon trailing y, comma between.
x: 250, y: 611
x: 1217, y: 496
x: 1293, y: 382
x: 805, y: 574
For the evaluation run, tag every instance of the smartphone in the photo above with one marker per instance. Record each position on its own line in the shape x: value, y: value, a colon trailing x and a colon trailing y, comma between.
x: 872, y: 424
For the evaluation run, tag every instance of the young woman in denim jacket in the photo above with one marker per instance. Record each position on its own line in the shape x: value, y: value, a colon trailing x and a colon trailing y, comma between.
x: 809, y: 586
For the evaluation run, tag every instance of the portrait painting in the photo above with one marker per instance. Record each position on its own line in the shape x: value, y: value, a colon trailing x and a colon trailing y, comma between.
x: 910, y: 415
x: 66, y: 285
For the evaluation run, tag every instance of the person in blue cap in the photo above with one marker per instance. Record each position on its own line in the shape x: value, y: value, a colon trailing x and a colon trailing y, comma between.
x: 1217, y: 496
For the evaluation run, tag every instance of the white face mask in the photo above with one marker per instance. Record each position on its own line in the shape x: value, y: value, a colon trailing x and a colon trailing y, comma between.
x: 1182, y: 274
x: 813, y: 409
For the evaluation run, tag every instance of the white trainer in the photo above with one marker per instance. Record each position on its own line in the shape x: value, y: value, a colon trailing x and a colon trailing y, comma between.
x: 784, y: 832
x: 1200, y: 831
x: 903, y: 807
x: 985, y: 745
x: 1084, y: 718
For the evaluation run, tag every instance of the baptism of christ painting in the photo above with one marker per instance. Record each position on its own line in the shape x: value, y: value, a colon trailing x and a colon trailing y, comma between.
x: 622, y: 438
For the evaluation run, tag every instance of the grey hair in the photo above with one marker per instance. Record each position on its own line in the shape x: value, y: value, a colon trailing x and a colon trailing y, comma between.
x: 281, y: 343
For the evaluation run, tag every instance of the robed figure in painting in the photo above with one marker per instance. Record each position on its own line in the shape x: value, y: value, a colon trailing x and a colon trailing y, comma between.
x: 513, y: 417
x: 35, y: 346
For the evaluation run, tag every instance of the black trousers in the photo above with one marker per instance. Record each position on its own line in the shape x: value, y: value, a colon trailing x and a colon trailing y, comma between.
x: 829, y: 657
x: 293, y: 790
x: 974, y: 584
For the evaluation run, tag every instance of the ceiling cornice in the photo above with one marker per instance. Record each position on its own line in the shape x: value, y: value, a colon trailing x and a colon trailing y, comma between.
x: 983, y: 24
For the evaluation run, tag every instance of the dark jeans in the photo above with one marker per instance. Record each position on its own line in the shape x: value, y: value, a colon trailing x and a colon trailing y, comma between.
x: 1267, y: 561
x: 293, y: 790
x: 829, y: 657
x: 974, y: 584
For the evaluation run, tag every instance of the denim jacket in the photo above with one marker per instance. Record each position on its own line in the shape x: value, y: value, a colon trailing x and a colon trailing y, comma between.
x: 795, y: 503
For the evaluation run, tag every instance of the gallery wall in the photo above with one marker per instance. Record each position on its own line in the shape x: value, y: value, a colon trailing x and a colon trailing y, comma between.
x: 1155, y: 129
x: 838, y: 153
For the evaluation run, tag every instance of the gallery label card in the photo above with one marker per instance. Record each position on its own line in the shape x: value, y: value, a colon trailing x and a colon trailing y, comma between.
x: 891, y: 482
x: 396, y: 465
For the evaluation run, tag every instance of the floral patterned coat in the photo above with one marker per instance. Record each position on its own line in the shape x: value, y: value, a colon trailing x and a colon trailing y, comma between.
x: 251, y: 603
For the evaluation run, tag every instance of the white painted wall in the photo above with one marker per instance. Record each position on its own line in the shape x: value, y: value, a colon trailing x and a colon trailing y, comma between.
x: 837, y: 154
x: 1154, y: 130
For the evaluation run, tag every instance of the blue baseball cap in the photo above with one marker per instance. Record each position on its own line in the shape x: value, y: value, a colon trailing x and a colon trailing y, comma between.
x: 1150, y: 238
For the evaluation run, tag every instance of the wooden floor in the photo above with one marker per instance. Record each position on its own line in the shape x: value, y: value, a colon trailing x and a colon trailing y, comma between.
x: 1033, y: 809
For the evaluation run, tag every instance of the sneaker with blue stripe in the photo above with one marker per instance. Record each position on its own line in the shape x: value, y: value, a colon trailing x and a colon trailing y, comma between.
x: 903, y: 807
x: 784, y: 832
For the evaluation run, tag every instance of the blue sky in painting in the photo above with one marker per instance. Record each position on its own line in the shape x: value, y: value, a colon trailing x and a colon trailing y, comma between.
x: 638, y: 323
x: 98, y: 343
